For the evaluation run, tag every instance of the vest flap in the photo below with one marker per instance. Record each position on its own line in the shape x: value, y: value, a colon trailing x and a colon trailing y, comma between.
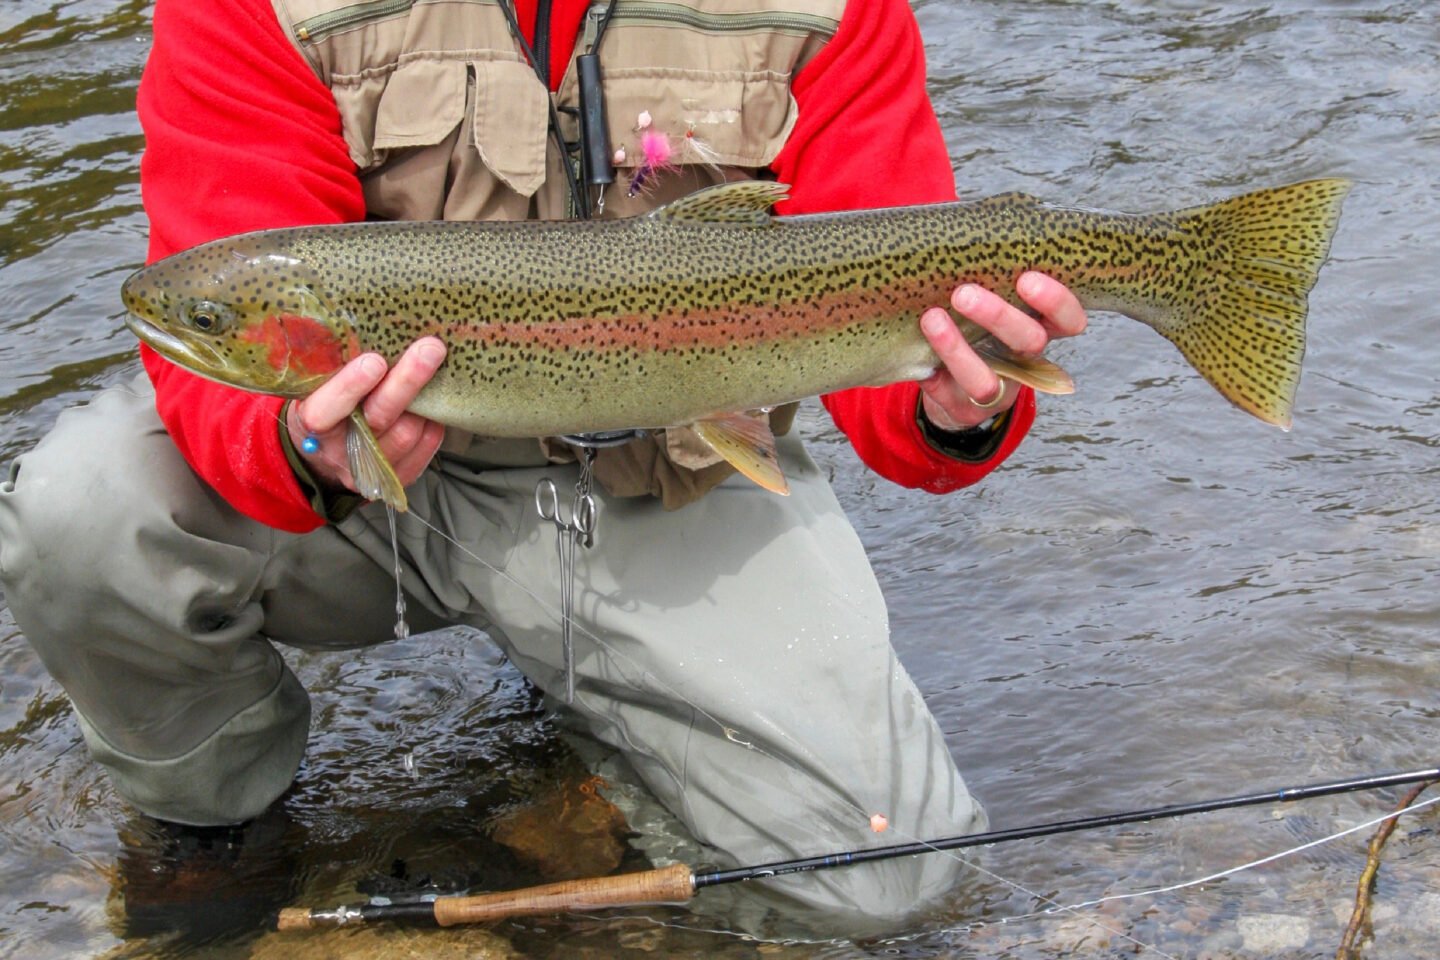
x: 511, y: 120
x: 423, y: 101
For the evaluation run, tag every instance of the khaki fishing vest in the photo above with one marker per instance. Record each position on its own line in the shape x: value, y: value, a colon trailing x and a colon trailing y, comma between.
x: 445, y: 120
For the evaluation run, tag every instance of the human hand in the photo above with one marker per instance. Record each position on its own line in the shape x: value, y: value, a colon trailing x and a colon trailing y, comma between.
x: 408, y: 440
x: 965, y: 392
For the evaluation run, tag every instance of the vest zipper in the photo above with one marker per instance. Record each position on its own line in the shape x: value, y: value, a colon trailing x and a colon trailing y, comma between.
x: 674, y: 13
x: 542, y: 41
x: 316, y: 28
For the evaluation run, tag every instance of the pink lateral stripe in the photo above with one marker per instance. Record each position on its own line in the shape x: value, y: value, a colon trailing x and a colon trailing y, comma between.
x: 713, y: 327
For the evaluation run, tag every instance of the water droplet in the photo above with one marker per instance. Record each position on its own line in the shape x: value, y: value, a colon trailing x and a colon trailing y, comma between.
x: 402, y: 629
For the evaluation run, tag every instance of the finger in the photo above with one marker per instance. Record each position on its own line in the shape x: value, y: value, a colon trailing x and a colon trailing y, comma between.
x: 968, y: 376
x: 399, y: 388
x: 1014, y: 328
x: 337, y: 398
x: 1060, y: 310
x: 324, y: 452
x: 317, y: 425
x: 403, y: 434
x: 411, y: 463
x: 944, y: 406
x: 948, y: 408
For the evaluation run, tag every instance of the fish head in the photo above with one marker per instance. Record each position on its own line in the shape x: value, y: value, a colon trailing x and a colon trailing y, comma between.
x: 245, y: 311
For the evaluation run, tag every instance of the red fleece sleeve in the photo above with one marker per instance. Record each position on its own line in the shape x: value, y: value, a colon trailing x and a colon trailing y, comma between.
x: 867, y: 136
x: 239, y: 135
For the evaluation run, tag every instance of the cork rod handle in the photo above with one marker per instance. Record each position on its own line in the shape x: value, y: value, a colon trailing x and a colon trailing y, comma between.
x: 672, y: 884
x: 294, y: 918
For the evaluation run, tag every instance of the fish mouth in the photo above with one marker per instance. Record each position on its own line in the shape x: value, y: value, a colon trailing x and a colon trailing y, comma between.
x: 199, y: 357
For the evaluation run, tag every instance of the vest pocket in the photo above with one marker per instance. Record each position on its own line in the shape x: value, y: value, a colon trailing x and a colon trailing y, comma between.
x: 724, y: 118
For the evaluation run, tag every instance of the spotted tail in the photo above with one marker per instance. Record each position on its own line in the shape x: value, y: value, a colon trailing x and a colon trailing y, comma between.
x: 1241, y: 319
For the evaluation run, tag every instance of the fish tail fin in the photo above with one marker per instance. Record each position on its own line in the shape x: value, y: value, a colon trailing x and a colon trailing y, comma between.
x: 1241, y: 322
x: 374, y: 477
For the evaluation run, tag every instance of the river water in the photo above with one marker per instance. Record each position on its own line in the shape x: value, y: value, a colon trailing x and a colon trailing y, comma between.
x: 1158, y: 600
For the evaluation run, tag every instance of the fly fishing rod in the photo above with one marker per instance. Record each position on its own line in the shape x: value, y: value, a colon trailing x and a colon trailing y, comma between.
x: 678, y: 883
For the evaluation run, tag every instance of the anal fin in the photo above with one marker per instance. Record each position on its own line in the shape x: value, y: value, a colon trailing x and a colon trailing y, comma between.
x: 1036, y: 372
x: 747, y: 444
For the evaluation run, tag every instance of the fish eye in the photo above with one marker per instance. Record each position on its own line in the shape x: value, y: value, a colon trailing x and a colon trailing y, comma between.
x: 205, y: 316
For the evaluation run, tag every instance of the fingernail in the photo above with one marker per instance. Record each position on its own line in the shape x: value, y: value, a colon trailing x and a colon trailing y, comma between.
x: 372, y: 365
x: 1028, y: 285
x: 966, y: 297
x: 933, y: 322
x: 432, y: 352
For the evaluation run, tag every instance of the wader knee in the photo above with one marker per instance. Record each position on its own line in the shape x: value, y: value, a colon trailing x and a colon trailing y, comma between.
x: 139, y: 589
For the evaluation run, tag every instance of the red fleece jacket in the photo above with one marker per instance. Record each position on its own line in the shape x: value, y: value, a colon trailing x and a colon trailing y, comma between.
x: 248, y: 141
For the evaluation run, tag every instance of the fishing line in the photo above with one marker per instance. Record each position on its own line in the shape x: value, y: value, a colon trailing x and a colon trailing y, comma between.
x: 1288, y: 795
x: 733, y: 734
x: 1036, y: 895
x: 1155, y: 891
x: 1252, y: 864
x: 736, y: 736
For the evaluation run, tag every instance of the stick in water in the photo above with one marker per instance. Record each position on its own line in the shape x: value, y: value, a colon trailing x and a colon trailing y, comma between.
x: 1360, y: 917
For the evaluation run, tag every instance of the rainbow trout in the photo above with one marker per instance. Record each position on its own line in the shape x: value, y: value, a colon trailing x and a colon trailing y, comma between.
x: 708, y: 307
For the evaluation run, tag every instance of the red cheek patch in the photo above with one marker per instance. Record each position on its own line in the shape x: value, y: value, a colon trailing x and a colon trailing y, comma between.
x: 314, y: 348
x: 299, y: 344
x: 271, y: 335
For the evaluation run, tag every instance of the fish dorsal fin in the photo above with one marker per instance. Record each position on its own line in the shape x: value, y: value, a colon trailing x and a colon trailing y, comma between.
x: 747, y: 444
x: 374, y: 477
x: 743, y: 201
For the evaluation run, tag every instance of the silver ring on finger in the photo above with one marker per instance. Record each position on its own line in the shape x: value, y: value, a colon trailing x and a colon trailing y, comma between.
x: 994, y: 401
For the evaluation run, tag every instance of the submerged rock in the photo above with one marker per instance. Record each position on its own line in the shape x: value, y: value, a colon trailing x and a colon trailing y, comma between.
x: 568, y: 833
x: 384, y: 943
x: 1266, y: 934
x: 1426, y: 914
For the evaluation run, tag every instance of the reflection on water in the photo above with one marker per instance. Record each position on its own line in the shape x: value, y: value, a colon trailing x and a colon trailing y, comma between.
x: 1159, y: 599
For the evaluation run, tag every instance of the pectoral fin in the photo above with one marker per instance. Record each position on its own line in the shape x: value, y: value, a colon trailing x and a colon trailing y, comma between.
x: 374, y: 478
x: 747, y: 444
